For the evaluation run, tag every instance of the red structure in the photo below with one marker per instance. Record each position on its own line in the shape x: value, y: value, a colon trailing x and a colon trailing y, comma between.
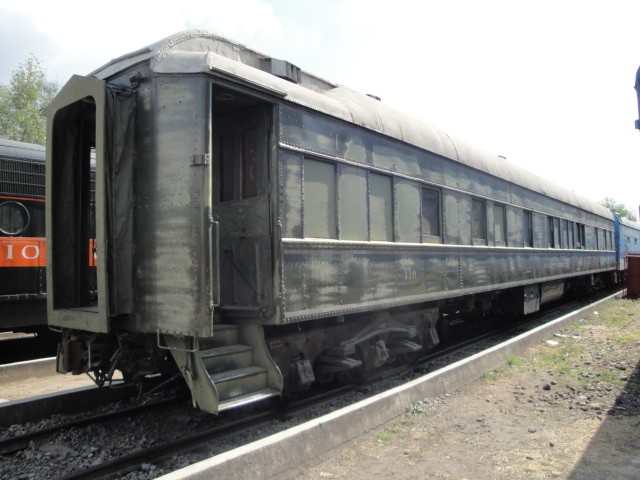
x: 633, y: 276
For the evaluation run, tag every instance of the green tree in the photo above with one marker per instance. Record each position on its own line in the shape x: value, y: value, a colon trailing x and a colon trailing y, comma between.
x: 619, y: 208
x: 23, y: 102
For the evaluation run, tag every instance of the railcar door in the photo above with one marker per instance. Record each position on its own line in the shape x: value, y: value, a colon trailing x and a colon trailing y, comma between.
x: 88, y: 234
x: 242, y: 206
x: 75, y: 129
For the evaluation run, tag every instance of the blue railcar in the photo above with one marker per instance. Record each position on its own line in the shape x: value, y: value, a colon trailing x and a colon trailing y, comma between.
x: 627, y: 240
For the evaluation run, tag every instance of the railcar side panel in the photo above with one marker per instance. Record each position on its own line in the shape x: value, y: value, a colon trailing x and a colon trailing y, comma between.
x: 324, y: 279
x: 514, y: 245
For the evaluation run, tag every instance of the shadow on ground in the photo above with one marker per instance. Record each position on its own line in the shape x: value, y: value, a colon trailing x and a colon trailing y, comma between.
x: 614, y: 452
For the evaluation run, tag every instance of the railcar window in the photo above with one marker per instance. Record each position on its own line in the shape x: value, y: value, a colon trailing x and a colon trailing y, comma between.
x: 564, y: 228
x: 353, y: 203
x: 601, y: 236
x: 319, y: 199
x: 380, y: 207
x: 554, y: 232
x: 407, y: 211
x: 14, y: 218
x: 431, y: 232
x: 500, y: 225
x: 527, y: 228
x: 570, y: 235
x: 582, y: 236
x: 478, y: 220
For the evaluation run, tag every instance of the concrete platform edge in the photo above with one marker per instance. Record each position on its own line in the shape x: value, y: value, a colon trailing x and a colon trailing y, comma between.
x: 275, y: 454
x: 33, y: 368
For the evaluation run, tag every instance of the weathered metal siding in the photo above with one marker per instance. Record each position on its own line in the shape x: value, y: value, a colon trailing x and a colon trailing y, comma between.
x: 338, y: 276
x: 172, y: 203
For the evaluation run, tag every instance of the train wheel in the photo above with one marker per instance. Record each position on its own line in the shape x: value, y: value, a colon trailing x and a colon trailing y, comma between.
x: 443, y: 327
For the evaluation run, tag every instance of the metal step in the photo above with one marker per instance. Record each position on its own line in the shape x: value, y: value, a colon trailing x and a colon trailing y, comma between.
x: 238, y: 382
x: 229, y: 369
x: 228, y: 357
x: 247, y: 399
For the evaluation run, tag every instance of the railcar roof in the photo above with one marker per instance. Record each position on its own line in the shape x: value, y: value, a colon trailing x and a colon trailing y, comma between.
x: 629, y: 223
x: 199, y: 51
x: 21, y: 150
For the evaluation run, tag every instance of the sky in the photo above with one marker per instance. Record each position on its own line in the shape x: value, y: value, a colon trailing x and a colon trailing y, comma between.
x: 548, y: 84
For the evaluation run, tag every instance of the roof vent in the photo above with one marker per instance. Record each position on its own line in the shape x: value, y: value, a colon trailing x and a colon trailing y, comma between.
x: 281, y: 68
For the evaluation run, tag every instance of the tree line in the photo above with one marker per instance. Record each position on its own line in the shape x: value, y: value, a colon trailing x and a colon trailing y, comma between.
x: 23, y: 103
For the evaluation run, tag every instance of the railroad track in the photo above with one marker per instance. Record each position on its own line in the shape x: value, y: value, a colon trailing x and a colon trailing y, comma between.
x: 22, y: 441
x: 229, y: 431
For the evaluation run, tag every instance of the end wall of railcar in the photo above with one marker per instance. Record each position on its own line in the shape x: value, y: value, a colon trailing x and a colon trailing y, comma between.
x: 171, y: 205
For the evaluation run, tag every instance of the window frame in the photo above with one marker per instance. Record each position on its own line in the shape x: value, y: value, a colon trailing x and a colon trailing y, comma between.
x: 502, y: 208
x: 307, y: 202
x: 481, y: 223
x: 389, y: 225
x: 527, y: 229
x: 429, y: 237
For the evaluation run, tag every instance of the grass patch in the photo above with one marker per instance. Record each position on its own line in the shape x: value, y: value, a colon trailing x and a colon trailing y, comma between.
x: 515, y: 361
x: 625, y: 338
x: 611, y: 377
x: 384, y: 437
x: 512, y: 361
x: 618, y: 321
x: 618, y: 314
x: 490, y: 376
x: 388, y: 434
x: 615, y: 324
x: 416, y: 409
x: 563, y: 358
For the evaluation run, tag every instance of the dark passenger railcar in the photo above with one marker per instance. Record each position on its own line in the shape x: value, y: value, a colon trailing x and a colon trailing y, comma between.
x: 22, y: 243
x: 259, y: 228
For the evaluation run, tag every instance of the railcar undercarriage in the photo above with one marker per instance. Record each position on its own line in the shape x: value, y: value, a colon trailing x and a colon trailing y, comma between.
x: 348, y: 348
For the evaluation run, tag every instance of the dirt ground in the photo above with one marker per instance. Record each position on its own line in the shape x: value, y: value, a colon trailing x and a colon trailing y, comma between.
x: 569, y: 408
x: 35, y: 386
